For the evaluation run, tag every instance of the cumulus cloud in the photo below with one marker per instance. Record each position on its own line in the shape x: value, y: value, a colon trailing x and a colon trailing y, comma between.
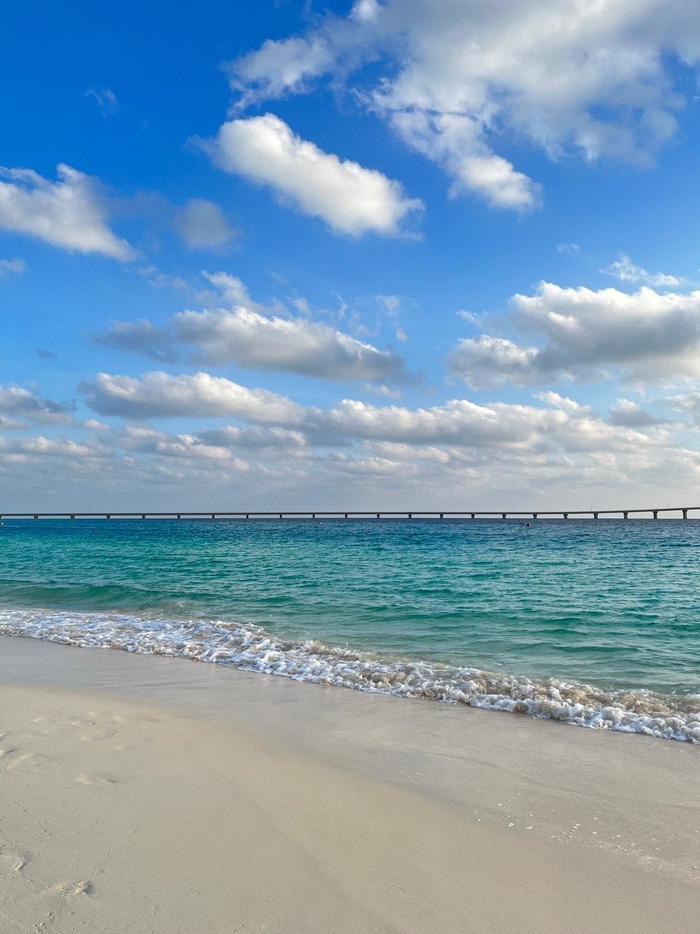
x: 589, y: 334
x: 351, y: 199
x: 458, y: 80
x: 503, y: 453
x: 278, y: 422
x: 292, y: 345
x: 199, y: 395
x: 484, y: 362
x: 688, y: 403
x: 9, y: 267
x: 255, y: 337
x: 626, y: 271
x: 631, y: 415
x: 16, y: 400
x: 202, y: 225
x: 68, y: 213
x: 181, y: 446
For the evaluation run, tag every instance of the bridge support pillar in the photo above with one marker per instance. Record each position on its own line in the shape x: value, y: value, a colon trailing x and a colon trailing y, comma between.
x: 655, y: 513
x: 534, y: 515
x: 565, y: 515
x: 685, y: 513
x: 625, y: 515
x: 503, y: 515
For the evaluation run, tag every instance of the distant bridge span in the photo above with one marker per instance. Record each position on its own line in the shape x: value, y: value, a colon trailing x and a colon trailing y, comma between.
x: 660, y: 512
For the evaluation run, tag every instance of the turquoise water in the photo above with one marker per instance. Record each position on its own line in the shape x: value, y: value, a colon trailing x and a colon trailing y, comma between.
x: 604, y: 615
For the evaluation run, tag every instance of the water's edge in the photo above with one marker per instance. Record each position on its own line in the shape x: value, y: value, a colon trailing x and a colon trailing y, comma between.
x: 251, y: 648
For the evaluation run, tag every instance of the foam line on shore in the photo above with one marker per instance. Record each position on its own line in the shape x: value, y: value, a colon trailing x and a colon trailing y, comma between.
x: 251, y: 648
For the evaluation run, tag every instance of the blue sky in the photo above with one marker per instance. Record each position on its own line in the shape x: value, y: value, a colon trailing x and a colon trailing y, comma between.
x: 437, y: 255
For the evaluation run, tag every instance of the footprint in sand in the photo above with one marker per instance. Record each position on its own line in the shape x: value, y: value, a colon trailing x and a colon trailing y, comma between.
x: 97, y: 737
x: 69, y: 888
x: 14, y: 762
x: 13, y: 862
x: 85, y: 779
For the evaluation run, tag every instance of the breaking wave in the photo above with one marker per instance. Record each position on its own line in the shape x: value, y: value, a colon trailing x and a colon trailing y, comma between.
x: 251, y: 648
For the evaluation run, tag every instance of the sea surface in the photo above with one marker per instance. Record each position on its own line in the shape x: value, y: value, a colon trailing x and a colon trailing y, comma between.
x: 592, y: 623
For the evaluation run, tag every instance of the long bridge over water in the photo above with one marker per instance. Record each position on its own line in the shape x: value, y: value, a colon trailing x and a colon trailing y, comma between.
x: 660, y: 512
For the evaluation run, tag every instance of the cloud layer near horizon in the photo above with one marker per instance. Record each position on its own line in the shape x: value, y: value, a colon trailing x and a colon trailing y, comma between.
x: 353, y: 450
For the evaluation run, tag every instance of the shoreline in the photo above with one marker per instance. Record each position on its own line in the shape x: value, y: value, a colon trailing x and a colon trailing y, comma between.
x: 362, y: 812
x: 249, y: 647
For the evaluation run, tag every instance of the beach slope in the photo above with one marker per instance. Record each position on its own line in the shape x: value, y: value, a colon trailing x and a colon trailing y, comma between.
x: 122, y: 816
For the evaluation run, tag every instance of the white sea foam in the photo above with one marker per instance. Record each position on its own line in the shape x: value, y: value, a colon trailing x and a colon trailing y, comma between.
x: 253, y: 649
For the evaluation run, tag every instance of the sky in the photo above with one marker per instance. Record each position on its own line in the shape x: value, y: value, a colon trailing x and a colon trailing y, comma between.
x: 408, y: 254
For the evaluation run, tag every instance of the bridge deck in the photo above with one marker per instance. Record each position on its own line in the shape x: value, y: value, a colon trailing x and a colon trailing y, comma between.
x: 659, y: 512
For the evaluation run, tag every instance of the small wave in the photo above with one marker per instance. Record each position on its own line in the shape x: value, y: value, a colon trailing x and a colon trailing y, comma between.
x: 253, y: 649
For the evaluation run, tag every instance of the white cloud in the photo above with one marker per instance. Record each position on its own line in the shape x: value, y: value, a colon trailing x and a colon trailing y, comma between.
x: 505, y: 455
x: 16, y: 400
x: 68, y: 213
x: 351, y: 199
x: 198, y: 395
x: 459, y: 422
x: 278, y: 422
x: 454, y: 142
x: 12, y: 267
x: 293, y: 345
x: 92, y: 424
x: 484, y: 362
x: 588, y: 335
x: 185, y: 446
x: 688, y: 403
x: 631, y: 415
x: 253, y: 336
x: 457, y: 79
x: 278, y: 68
x: 202, y: 225
x: 626, y: 271
x: 10, y: 424
x: 234, y: 291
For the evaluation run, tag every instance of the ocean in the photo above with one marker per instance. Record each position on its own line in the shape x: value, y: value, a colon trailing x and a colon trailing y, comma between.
x: 592, y: 623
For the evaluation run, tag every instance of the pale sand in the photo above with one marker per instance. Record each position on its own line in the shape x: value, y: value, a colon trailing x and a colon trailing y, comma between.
x: 156, y: 795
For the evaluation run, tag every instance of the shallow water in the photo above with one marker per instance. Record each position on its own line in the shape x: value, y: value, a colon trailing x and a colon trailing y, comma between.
x: 597, y: 623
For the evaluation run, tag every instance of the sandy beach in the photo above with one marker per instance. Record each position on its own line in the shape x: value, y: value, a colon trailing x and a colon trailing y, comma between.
x: 157, y: 795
